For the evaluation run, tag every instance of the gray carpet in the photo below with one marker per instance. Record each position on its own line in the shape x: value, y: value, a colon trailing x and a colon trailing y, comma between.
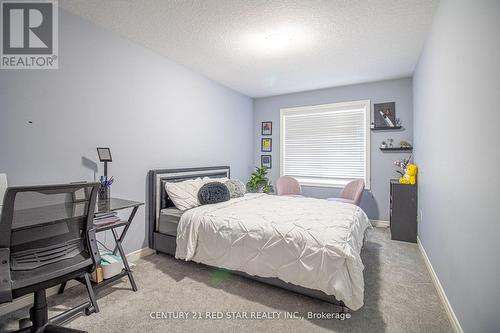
x: 399, y: 297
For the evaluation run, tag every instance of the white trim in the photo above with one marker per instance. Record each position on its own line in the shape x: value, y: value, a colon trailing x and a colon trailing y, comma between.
x: 342, y: 105
x: 324, y: 182
x: 380, y: 223
x: 311, y: 184
x: 282, y: 135
x: 27, y: 300
x: 141, y: 253
x: 442, y: 295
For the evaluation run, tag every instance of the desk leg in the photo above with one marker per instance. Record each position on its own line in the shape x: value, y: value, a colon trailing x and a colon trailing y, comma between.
x: 124, y: 232
x: 124, y: 257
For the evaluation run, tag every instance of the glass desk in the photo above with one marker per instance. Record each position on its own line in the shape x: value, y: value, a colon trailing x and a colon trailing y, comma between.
x: 111, y: 205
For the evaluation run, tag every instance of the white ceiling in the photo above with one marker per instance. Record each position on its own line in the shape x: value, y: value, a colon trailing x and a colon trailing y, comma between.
x: 326, y: 42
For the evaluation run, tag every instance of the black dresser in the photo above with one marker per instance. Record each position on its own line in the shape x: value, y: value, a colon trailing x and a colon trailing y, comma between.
x: 403, y: 212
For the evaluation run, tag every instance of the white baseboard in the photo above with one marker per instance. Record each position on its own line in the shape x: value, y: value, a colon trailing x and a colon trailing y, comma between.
x: 28, y: 299
x: 141, y: 253
x: 380, y: 223
x: 442, y: 295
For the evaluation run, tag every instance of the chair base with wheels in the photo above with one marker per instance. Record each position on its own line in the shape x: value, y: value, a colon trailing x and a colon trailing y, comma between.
x: 68, y: 269
x: 39, y: 321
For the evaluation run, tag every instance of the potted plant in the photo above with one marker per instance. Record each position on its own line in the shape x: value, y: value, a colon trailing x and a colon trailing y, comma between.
x: 259, y: 182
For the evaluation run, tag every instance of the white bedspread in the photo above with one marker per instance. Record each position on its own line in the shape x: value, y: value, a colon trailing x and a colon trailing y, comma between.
x: 309, y: 242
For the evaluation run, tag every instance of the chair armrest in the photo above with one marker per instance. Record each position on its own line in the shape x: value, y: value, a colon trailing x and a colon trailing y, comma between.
x: 5, y: 286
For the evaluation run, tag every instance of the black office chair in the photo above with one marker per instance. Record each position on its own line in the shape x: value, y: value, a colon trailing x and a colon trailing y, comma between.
x: 47, y: 238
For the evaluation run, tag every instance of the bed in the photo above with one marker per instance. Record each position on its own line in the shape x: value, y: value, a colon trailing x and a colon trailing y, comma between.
x: 306, y: 245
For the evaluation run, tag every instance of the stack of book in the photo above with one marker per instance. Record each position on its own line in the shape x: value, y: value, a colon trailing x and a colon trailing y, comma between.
x: 106, y: 218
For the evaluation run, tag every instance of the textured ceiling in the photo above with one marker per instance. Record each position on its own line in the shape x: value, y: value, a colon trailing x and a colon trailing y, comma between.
x: 325, y: 43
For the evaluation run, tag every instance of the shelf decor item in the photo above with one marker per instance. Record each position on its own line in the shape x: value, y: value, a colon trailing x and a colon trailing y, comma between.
x: 267, y: 128
x: 265, y: 161
x: 385, y: 115
x: 404, y: 144
x: 105, y: 188
x: 401, y: 164
x: 266, y: 145
x: 410, y: 175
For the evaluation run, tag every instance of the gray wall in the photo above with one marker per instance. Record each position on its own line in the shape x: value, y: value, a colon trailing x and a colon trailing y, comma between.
x: 376, y: 201
x: 111, y: 92
x: 456, y: 130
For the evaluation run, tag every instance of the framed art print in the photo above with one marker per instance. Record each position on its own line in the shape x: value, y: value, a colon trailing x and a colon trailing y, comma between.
x: 384, y: 114
x: 265, y: 161
x: 266, y: 145
x: 267, y: 128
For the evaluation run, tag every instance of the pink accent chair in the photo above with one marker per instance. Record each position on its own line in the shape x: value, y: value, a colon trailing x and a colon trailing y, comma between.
x: 288, y: 186
x: 352, y: 192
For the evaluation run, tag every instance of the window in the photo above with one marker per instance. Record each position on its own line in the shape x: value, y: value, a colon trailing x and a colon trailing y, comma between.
x: 326, y: 145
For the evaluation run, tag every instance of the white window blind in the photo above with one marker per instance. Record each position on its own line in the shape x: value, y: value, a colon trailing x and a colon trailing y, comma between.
x: 326, y: 145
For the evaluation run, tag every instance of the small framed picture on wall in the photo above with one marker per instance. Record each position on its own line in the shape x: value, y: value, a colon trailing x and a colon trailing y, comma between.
x: 266, y: 161
x: 267, y: 128
x: 385, y: 114
x: 266, y: 145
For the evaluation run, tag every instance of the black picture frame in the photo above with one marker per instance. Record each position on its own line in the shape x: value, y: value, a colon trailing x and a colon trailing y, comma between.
x: 104, y: 154
x: 266, y: 161
x: 267, y: 128
x: 384, y: 114
x: 266, y: 148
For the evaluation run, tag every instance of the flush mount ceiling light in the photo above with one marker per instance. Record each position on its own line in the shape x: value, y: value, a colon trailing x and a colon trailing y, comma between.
x: 277, y: 40
x: 273, y: 42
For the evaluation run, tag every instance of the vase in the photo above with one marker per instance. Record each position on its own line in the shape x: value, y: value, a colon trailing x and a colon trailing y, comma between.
x: 104, y: 193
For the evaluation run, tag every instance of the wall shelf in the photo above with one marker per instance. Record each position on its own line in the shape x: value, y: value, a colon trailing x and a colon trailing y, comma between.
x: 397, y: 149
x: 386, y: 128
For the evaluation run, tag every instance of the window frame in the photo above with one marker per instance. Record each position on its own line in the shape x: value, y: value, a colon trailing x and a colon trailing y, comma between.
x: 328, y: 107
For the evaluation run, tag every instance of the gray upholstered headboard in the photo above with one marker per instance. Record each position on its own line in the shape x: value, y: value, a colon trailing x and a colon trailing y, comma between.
x: 158, y: 198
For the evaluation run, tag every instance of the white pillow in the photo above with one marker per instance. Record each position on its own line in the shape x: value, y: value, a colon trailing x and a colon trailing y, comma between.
x: 184, y: 194
x: 220, y: 180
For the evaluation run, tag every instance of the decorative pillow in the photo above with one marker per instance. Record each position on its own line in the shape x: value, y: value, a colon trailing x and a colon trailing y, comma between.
x: 236, y: 188
x: 213, y: 192
x: 184, y: 194
x: 210, y: 180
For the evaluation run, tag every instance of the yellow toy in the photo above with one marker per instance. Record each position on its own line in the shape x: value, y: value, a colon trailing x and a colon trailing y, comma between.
x: 410, y: 176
